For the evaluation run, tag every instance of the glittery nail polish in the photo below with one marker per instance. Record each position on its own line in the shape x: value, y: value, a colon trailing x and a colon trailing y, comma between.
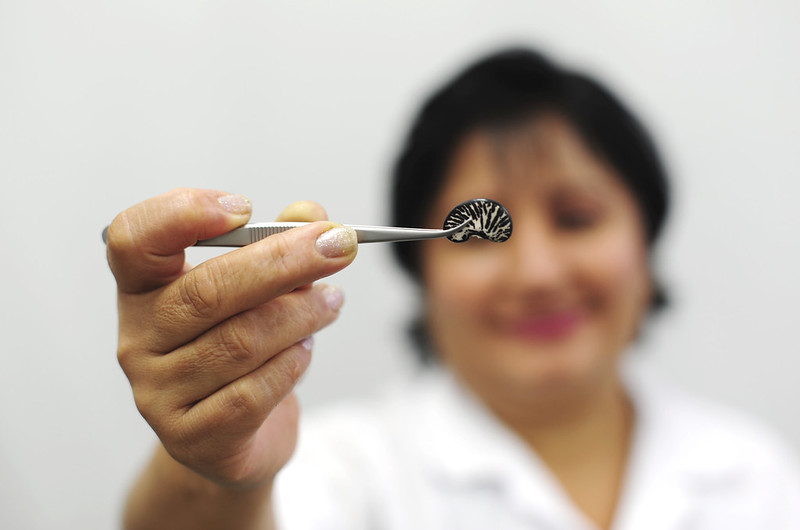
x: 337, y: 242
x: 235, y: 204
x: 334, y: 297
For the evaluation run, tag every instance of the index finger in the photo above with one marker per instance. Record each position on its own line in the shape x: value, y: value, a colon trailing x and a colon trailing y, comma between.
x: 146, y: 243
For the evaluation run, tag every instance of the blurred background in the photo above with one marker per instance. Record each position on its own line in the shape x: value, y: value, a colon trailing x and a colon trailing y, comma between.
x: 103, y: 104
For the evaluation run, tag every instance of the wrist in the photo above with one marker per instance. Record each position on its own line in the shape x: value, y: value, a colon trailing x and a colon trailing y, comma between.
x: 177, y: 497
x: 184, y: 478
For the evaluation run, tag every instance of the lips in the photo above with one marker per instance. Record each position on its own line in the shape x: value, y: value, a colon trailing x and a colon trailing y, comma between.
x: 549, y: 326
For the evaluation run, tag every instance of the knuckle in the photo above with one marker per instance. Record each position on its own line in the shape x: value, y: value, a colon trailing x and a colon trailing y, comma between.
x: 284, y: 373
x: 182, y: 191
x: 179, y: 439
x: 243, y: 399
x: 279, y: 323
x: 154, y: 406
x: 118, y: 231
x: 283, y: 257
x: 301, y: 308
x: 309, y: 313
x: 317, y: 312
x: 200, y: 294
x: 147, y: 403
x: 290, y: 371
x: 131, y: 358
x: 253, y: 397
x: 125, y: 357
x: 236, y: 343
x: 182, y: 198
x: 120, y: 239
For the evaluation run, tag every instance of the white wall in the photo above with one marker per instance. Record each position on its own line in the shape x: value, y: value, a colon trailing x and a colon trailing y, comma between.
x: 103, y: 104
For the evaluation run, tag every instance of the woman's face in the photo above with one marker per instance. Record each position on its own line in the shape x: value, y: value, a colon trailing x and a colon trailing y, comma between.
x: 551, y: 309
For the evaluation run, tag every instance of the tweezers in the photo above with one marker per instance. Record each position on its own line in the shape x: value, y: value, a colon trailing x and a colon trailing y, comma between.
x: 250, y: 233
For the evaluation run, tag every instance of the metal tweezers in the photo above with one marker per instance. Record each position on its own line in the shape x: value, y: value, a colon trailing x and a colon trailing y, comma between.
x: 253, y: 232
x: 250, y: 233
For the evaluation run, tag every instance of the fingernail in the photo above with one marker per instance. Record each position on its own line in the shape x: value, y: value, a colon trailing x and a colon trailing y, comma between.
x: 236, y: 204
x: 337, y: 242
x: 334, y: 297
x: 308, y: 342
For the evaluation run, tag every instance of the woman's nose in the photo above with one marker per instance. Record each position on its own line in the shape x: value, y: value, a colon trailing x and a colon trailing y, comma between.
x: 535, y: 257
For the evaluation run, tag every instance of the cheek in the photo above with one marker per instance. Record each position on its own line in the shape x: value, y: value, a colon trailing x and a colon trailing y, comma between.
x: 452, y: 285
x: 458, y: 288
x: 617, y: 269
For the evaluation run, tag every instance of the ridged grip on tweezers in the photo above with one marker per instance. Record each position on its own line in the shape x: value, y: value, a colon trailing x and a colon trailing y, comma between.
x: 247, y: 234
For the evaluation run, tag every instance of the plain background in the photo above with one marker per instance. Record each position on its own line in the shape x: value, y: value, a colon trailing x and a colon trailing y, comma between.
x: 103, y: 104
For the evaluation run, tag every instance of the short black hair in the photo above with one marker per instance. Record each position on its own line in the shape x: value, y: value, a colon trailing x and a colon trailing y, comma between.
x: 507, y: 88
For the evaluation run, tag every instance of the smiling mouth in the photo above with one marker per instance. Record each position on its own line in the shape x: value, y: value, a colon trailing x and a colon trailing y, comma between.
x: 552, y: 326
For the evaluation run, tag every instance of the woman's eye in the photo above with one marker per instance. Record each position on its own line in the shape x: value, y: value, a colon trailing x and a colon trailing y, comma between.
x: 576, y: 220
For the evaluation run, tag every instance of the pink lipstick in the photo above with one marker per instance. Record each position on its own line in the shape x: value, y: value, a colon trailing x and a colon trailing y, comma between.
x: 551, y: 326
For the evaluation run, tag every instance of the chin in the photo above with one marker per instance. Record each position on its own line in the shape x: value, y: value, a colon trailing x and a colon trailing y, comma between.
x: 555, y: 369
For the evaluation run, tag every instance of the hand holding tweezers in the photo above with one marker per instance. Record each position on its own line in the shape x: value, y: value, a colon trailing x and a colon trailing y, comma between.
x: 483, y: 218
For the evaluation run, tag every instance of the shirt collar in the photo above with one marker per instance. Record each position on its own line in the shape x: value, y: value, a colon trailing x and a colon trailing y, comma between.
x: 464, y: 445
x: 676, y: 459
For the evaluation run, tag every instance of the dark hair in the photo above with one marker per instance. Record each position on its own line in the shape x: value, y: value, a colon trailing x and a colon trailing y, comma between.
x: 505, y: 89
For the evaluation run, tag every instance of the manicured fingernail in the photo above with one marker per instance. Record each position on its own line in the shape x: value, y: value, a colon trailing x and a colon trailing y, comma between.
x: 236, y: 204
x: 333, y: 296
x: 308, y: 342
x: 337, y: 242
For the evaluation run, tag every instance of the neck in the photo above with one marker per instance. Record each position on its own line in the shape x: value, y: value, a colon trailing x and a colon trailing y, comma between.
x: 552, y: 422
x: 583, y: 436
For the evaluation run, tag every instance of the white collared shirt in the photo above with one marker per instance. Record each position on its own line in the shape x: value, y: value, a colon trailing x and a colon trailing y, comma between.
x: 429, y: 456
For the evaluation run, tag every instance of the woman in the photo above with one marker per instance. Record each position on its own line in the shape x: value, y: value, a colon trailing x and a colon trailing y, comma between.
x: 522, y: 420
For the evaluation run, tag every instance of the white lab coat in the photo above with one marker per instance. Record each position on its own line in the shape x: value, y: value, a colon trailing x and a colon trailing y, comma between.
x: 430, y: 457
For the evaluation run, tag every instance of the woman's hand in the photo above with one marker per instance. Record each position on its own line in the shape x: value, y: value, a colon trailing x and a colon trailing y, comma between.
x: 213, y: 352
